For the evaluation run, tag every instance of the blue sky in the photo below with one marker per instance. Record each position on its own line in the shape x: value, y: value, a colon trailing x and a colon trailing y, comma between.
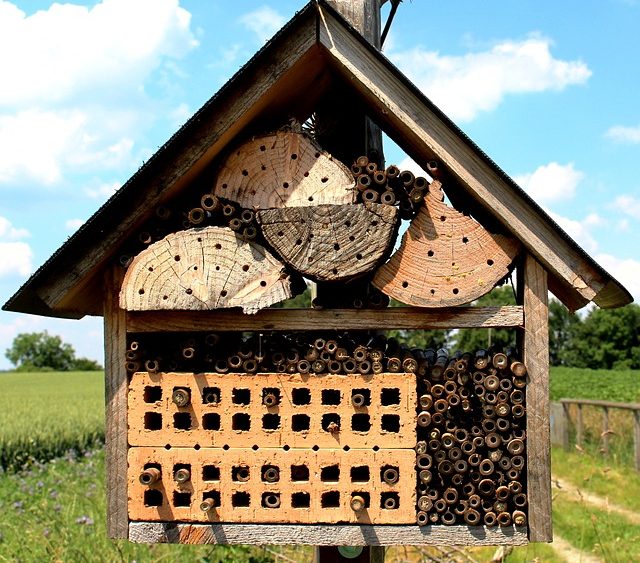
x: 89, y: 90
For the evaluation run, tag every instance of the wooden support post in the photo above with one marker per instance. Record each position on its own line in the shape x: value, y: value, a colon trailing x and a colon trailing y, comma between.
x: 115, y: 343
x: 532, y: 287
x: 636, y: 437
x: 567, y: 422
x: 605, y: 430
x: 560, y: 425
x: 579, y: 427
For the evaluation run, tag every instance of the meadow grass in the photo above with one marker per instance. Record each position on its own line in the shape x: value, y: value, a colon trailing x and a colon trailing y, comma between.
x: 44, y: 414
x: 622, y: 386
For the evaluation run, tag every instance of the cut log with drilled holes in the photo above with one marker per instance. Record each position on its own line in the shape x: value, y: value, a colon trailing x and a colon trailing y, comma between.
x: 446, y: 258
x: 283, y: 169
x: 331, y: 242
x: 203, y: 269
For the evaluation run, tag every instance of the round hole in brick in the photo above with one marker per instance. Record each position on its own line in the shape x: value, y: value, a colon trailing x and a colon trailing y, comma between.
x: 315, y: 448
x: 489, y: 262
x: 141, y: 291
x: 245, y: 268
x: 263, y: 283
x: 375, y: 448
x: 225, y: 447
x: 223, y: 293
x: 255, y: 447
x: 405, y: 284
x: 177, y: 258
x: 456, y: 291
x: 346, y: 448
x: 196, y: 447
x: 286, y: 448
x: 167, y: 447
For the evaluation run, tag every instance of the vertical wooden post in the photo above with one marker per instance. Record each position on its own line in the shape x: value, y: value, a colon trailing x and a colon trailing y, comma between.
x: 560, y: 424
x: 579, y: 427
x: 605, y: 430
x: 115, y: 344
x: 532, y: 286
x: 636, y: 437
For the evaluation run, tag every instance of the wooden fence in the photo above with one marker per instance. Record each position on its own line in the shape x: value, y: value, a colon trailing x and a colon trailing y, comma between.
x: 561, y: 422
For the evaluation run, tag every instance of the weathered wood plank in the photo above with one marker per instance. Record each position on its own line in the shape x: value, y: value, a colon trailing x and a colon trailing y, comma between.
x: 203, y: 269
x: 425, y: 135
x: 446, y: 258
x: 598, y: 403
x: 283, y: 534
x: 115, y: 345
x: 312, y: 319
x: 533, y: 286
x: 331, y: 242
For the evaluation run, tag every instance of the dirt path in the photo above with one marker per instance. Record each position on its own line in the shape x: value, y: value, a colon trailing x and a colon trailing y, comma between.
x: 576, y: 493
x: 570, y: 554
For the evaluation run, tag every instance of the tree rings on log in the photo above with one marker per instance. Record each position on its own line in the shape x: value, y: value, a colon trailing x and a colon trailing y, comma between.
x: 446, y: 258
x: 283, y: 169
x: 331, y: 242
x: 202, y: 269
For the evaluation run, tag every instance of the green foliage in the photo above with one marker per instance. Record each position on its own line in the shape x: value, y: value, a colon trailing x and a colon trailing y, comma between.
x: 562, y: 327
x: 40, y: 350
x: 577, y: 383
x: 607, y: 339
x: 300, y: 301
x: 85, y: 364
x: 471, y: 339
x: 42, y: 415
x: 419, y: 338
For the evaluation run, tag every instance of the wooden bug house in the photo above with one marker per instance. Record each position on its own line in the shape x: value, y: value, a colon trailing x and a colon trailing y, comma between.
x: 230, y: 420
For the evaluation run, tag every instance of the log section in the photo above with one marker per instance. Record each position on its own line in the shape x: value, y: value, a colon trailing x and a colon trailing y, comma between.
x: 203, y: 269
x: 283, y: 169
x: 446, y: 258
x: 331, y: 242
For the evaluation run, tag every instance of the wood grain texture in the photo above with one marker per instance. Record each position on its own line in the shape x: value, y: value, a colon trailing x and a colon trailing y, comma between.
x: 331, y: 242
x: 446, y: 258
x: 284, y: 534
x: 424, y: 134
x: 536, y: 357
x: 203, y: 269
x: 283, y: 169
x: 312, y: 319
x: 115, y: 346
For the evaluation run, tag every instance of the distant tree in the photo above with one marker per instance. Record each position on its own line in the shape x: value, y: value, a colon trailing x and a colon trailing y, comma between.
x: 607, y: 339
x: 85, y: 364
x: 562, y: 328
x: 419, y: 338
x: 470, y: 339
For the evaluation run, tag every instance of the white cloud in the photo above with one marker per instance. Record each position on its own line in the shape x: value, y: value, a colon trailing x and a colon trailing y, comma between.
x: 264, y: 22
x: 625, y: 270
x: 577, y: 230
x: 623, y: 134
x: 551, y: 182
x: 463, y: 86
x: 628, y: 205
x: 409, y: 164
x: 9, y: 232
x: 16, y: 257
x: 73, y: 224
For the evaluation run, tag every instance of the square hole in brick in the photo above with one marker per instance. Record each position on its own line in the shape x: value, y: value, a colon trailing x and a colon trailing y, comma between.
x: 361, y: 397
x: 270, y: 473
x: 360, y: 474
x: 390, y: 501
x: 214, y: 495
x: 271, y: 421
x: 153, y: 497
x: 270, y: 500
x: 181, y: 499
x: 301, y: 396
x: 299, y: 473
x: 241, y: 421
x: 182, y: 421
x: 211, y: 421
x: 360, y: 423
x: 300, y: 422
x: 365, y: 496
x: 210, y: 473
x: 390, y: 396
x: 241, y: 396
x: 330, y: 499
x: 152, y: 394
x: 390, y: 474
x: 330, y: 473
x: 330, y: 420
x: 182, y: 472
x: 240, y: 473
x: 152, y: 421
x: 240, y: 499
x: 300, y: 500
x: 390, y: 423
x: 271, y: 397
x: 330, y: 396
x: 211, y: 395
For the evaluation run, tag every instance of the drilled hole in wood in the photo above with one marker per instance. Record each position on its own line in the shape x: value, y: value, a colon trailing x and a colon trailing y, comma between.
x: 152, y: 421
x: 390, y: 396
x: 317, y: 155
x: 443, y: 218
x: 300, y: 422
x: 316, y: 448
x: 199, y: 239
x: 245, y: 172
x: 217, y: 268
x: 331, y: 473
x: 360, y: 474
x: 211, y: 421
x: 152, y: 497
x: 241, y: 422
x: 390, y: 423
x: 376, y: 448
x: 352, y: 238
x: 263, y: 148
x: 263, y: 283
x: 405, y: 284
x: 150, y: 269
x: 433, y: 292
x: 330, y: 420
x: 358, y: 256
x: 465, y: 240
x: 240, y: 499
x: 489, y: 262
x: 456, y: 291
x: 165, y: 297
x: 360, y: 422
x: 334, y: 271
x: 285, y: 185
x: 152, y: 394
x: 324, y: 180
x: 336, y: 246
x: 271, y: 421
x: 374, y: 223
x: 330, y: 499
x: 188, y: 291
x: 330, y: 396
x: 310, y: 198
x: 301, y: 396
x: 182, y: 421
x: 218, y: 246
x: 141, y: 291
x: 299, y: 241
x: 430, y: 253
x: 300, y: 500
x: 294, y: 156
x: 223, y: 293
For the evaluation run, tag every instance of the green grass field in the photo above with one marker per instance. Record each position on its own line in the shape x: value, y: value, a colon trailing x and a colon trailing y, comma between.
x: 622, y: 386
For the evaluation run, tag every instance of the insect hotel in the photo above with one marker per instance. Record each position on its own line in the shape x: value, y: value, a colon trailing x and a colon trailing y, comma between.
x: 231, y: 419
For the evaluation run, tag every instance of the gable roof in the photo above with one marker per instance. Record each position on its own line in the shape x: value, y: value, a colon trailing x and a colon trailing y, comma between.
x: 287, y: 78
